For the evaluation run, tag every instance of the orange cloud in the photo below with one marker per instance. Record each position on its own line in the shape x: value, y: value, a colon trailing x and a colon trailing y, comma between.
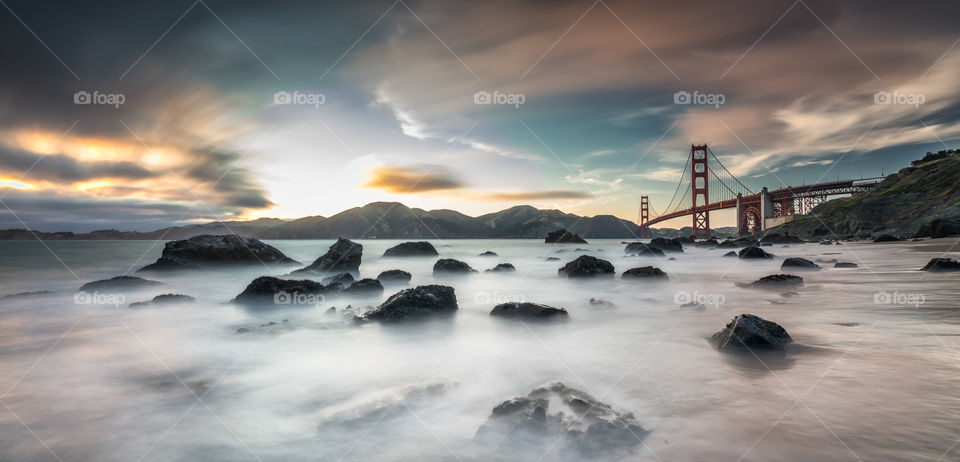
x: 405, y: 180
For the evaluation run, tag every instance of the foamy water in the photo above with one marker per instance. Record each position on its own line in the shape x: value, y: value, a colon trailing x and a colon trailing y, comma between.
x: 865, y: 379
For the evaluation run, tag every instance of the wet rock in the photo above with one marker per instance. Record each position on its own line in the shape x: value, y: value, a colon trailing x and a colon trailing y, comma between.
x: 394, y: 277
x: 886, y: 238
x: 845, y: 265
x: 343, y: 256
x: 753, y: 252
x: 268, y: 290
x: 364, y: 288
x: 586, y: 266
x: 774, y: 281
x: 268, y: 326
x: 667, y: 245
x: 642, y: 249
x: 210, y: 250
x: 417, y: 303
x: 824, y: 260
x: 31, y: 293
x: 644, y: 273
x: 488, y: 254
x: 601, y: 303
x: 752, y: 332
x: 562, y: 236
x: 526, y: 310
x: 412, y: 249
x: 730, y: 254
x: 451, y: 266
x: 941, y: 264
x: 165, y: 299
x: 694, y: 306
x: 557, y: 414
x: 502, y: 268
x: 119, y: 283
x: 799, y: 263
x: 552, y: 259
x: 711, y: 242
x: 737, y: 243
x: 344, y: 279
x: 777, y: 238
x: 789, y: 294
x: 939, y: 227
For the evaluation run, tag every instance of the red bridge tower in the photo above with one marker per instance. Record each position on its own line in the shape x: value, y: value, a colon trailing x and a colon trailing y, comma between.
x: 700, y: 186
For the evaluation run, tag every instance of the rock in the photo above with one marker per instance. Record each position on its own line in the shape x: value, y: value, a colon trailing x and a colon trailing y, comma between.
x: 586, y: 266
x: 552, y: 259
x: 451, y: 266
x: 886, y: 238
x: 344, y: 279
x: 777, y: 238
x: 754, y: 252
x: 939, y: 227
x: 845, y: 265
x: 210, y: 250
x: 267, y: 326
x: 694, y: 306
x: 671, y: 259
x: 562, y: 236
x: 774, y: 281
x: 31, y: 293
x: 555, y: 414
x: 737, y: 243
x: 412, y: 249
x: 643, y: 250
x: 711, y: 242
x: 364, y: 288
x: 667, y: 245
x: 394, y: 277
x: 526, y: 310
x: 730, y: 254
x: 118, y: 283
x: 645, y: 273
x: 266, y: 290
x: 799, y: 263
x: 488, y: 254
x: 601, y: 303
x: 824, y: 260
x: 752, y: 332
x: 826, y: 243
x: 502, y: 268
x: 941, y: 264
x: 416, y: 303
x: 343, y: 256
x: 165, y: 299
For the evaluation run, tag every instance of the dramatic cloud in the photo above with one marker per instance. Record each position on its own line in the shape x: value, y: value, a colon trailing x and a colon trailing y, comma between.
x: 408, y: 180
x: 532, y: 195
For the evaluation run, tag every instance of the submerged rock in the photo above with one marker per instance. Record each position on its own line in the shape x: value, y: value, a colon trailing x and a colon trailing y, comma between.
x: 488, y: 254
x: 562, y: 236
x: 526, y: 310
x: 416, y: 303
x: 586, y: 266
x: 845, y: 265
x: 601, y: 303
x: 266, y: 290
x: 667, y: 245
x: 165, y: 299
x: 799, y: 263
x: 777, y: 238
x: 344, y: 279
x: 502, y: 268
x: 118, y: 283
x: 343, y: 256
x: 364, y: 288
x: 394, y: 277
x: 752, y: 332
x: 451, y: 266
x: 774, y: 281
x: 754, y: 252
x: 941, y: 264
x: 552, y: 259
x: 939, y: 227
x: 644, y: 272
x: 412, y: 249
x: 886, y: 238
x: 210, y: 249
x: 730, y: 254
x: 643, y: 250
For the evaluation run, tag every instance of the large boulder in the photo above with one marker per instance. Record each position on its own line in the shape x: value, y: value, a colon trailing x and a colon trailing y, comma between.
x: 667, y: 245
x: 344, y: 279
x: 777, y: 238
x: 737, y: 243
x: 886, y: 238
x: 774, y: 281
x: 730, y: 254
x: 644, y: 273
x: 642, y: 249
x: 562, y: 236
x: 266, y: 290
x: 364, y: 288
x: 754, y: 252
x: 586, y: 266
x: 119, y: 283
x: 210, y: 249
x: 556, y: 414
x: 939, y: 227
x: 941, y: 264
x: 799, y: 263
x: 412, y: 249
x: 526, y: 310
x: 845, y: 264
x: 416, y: 303
x: 394, y: 277
x: 752, y: 332
x: 450, y: 266
x: 343, y: 256
x: 502, y: 268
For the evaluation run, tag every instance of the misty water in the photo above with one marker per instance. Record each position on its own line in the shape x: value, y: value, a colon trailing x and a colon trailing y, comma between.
x: 863, y: 380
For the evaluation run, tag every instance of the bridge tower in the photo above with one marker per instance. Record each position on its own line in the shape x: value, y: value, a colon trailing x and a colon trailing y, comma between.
x: 644, y: 216
x: 700, y: 185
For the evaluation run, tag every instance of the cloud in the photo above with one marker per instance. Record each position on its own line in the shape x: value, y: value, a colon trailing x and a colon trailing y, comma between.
x: 407, y: 180
x: 532, y: 195
x: 660, y: 174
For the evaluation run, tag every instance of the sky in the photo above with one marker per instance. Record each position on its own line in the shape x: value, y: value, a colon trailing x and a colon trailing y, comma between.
x: 140, y: 115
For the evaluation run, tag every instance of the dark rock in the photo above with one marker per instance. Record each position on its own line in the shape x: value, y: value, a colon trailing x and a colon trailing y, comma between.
x: 643, y: 250
x: 31, y: 293
x: 826, y: 243
x: 601, y: 303
x: 645, y: 273
x: 886, y: 238
x: 562, y: 236
x: 267, y: 326
x: 939, y: 227
x: 501, y: 268
x: 344, y: 279
x: 416, y: 303
x: 754, y: 252
x: 488, y: 254
x: 845, y: 265
x: 730, y: 254
x: 667, y: 245
x: 270, y: 290
x: 799, y: 263
x: 118, y: 283
x: 364, y: 288
x: 941, y: 264
x: 737, y: 243
x: 412, y: 249
x: 165, y: 299
x: 526, y: 310
x: 210, y: 249
x: 824, y: 260
x: 774, y: 281
x: 671, y: 259
x: 552, y: 259
x: 694, y: 306
x: 777, y: 238
x: 586, y: 266
x: 711, y: 242
x: 752, y: 332
x: 343, y: 256
x: 394, y: 277
x: 451, y: 266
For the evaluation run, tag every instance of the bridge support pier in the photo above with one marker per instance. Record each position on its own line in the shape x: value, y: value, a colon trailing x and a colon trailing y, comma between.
x: 700, y: 190
x: 644, y: 217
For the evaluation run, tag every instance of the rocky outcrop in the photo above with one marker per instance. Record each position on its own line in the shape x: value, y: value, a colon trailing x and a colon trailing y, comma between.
x: 886, y: 238
x: 412, y: 249
x: 562, y: 236
x: 845, y: 264
x: 647, y: 273
x: 164, y: 264
x: 752, y: 332
x: 502, y: 268
x: 344, y: 279
x: 165, y: 299
x: 753, y: 252
x: 737, y: 243
x: 417, y: 303
x: 210, y: 250
x: 119, y: 283
x: 601, y: 303
x: 774, y: 281
x: 641, y: 249
x: 667, y: 245
x: 364, y: 288
x: 730, y: 254
x: 586, y: 266
x: 343, y: 256
x: 266, y: 290
x: 797, y: 263
x: 777, y: 238
x: 449, y: 266
x: 939, y: 227
x: 941, y: 264
x: 526, y: 310
x: 394, y: 277
x: 488, y: 254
